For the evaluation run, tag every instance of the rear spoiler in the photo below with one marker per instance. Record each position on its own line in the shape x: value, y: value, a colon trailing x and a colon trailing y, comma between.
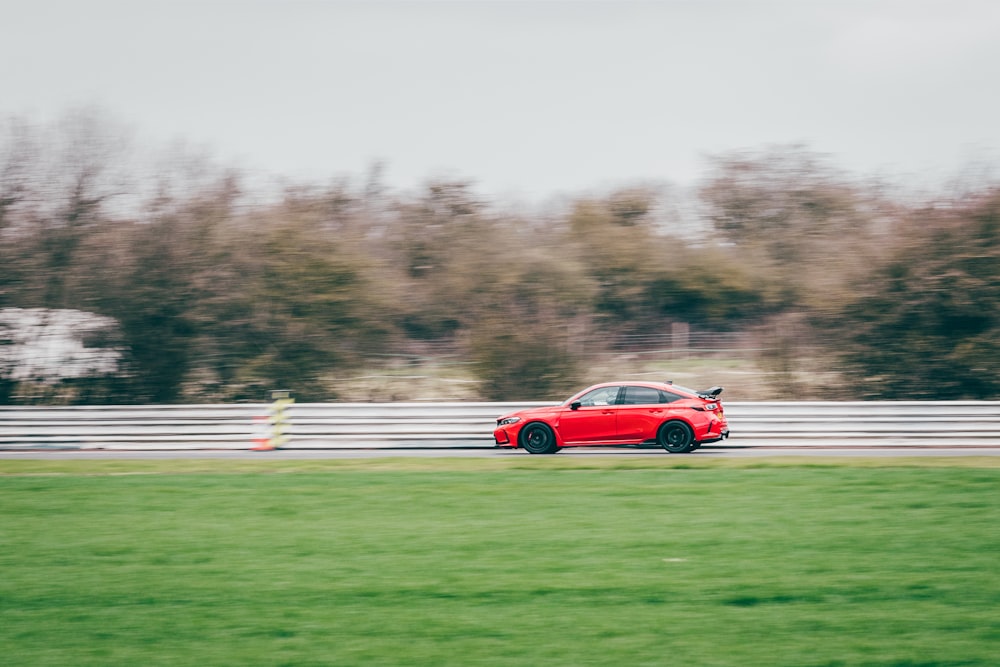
x: 711, y: 394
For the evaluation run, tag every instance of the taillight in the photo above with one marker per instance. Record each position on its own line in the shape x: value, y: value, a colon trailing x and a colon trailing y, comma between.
x: 711, y: 407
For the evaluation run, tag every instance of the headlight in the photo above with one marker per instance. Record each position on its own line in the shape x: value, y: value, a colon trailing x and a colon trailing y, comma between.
x: 508, y: 420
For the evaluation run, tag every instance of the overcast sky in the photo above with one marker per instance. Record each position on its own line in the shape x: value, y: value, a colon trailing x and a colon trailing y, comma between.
x: 520, y: 97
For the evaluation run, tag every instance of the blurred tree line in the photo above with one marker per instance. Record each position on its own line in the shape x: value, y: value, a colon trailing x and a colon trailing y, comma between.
x: 221, y: 294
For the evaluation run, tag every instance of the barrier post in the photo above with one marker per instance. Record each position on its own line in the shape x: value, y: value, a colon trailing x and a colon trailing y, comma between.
x: 280, y: 422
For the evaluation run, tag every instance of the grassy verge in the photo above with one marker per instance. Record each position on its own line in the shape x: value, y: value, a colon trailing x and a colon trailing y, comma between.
x: 487, y: 562
x: 741, y: 375
x: 402, y: 463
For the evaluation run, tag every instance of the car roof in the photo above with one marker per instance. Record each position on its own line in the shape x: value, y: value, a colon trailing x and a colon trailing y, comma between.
x: 666, y: 386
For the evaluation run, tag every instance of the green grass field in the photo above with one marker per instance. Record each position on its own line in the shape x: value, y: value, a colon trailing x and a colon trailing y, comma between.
x: 520, y: 561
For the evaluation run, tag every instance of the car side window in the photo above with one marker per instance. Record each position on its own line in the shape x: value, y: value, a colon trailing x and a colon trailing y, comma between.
x: 641, y: 396
x: 603, y: 396
x: 667, y: 397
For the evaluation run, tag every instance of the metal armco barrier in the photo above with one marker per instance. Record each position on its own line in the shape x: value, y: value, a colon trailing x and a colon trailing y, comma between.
x: 416, y: 425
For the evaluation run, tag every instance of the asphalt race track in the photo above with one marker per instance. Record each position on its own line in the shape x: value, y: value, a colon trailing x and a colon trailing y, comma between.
x: 758, y: 450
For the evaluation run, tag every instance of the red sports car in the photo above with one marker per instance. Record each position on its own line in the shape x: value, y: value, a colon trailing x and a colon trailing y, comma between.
x: 619, y: 413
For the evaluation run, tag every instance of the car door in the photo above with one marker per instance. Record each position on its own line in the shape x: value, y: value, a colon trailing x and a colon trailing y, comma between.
x: 641, y: 412
x: 594, y: 421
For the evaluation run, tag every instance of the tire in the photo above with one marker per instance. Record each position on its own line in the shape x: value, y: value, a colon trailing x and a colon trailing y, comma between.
x: 538, y: 439
x: 676, y: 437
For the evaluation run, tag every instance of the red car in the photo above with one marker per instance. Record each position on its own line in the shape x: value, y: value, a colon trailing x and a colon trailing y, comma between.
x: 619, y: 413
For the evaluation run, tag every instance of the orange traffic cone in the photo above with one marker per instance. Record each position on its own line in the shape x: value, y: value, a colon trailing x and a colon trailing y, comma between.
x: 261, y: 434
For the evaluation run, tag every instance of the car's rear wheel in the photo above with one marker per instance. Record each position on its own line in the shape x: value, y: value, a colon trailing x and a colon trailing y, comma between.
x: 676, y: 437
x: 539, y: 439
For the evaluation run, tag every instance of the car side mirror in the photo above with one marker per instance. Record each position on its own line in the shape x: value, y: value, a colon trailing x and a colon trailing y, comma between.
x: 575, y: 405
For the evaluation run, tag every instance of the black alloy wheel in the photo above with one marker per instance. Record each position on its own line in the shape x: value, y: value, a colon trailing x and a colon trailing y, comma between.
x: 539, y: 439
x: 676, y: 437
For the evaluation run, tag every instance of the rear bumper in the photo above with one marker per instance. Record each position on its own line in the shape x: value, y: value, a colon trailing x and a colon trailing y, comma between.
x: 715, y: 437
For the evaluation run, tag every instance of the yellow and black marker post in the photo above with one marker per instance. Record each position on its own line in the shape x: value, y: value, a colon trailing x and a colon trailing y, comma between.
x: 280, y: 421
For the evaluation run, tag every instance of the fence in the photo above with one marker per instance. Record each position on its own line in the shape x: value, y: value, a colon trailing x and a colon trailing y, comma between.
x: 414, y: 425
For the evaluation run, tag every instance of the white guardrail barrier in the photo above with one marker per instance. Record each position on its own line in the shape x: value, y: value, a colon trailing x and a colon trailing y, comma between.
x: 457, y: 425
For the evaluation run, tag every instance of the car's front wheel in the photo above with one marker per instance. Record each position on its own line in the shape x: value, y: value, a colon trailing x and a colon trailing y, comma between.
x: 676, y: 437
x: 539, y: 439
